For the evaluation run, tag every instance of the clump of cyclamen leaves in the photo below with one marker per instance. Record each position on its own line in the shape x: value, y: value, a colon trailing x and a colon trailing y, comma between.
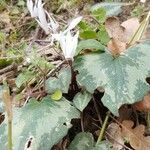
x: 121, y: 70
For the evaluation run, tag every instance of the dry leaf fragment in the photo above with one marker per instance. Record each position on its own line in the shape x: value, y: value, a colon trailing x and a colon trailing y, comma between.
x: 120, y: 34
x: 135, y: 136
x: 116, y: 47
x: 146, y: 34
x: 5, y: 21
x: 130, y: 27
x: 114, y: 29
x: 143, y: 105
x: 123, y: 32
x: 114, y: 134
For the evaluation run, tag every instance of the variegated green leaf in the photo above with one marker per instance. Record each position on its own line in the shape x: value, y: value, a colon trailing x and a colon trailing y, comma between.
x: 47, y: 122
x: 123, y: 78
x: 103, y: 145
x: 112, y: 9
x: 89, y: 44
x: 24, y: 77
x: 82, y: 141
x: 81, y: 100
x: 61, y: 82
x: 85, y: 141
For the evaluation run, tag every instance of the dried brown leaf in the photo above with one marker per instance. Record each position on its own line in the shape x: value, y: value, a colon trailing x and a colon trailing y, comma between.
x: 116, y: 47
x: 123, y: 32
x: 5, y: 21
x: 143, y: 105
x: 135, y: 136
x: 130, y: 27
x: 114, y: 134
x: 146, y: 34
x: 114, y: 29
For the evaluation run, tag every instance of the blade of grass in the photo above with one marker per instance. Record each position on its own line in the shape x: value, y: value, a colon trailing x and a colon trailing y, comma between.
x: 138, y: 34
x: 103, y: 129
x: 8, y: 107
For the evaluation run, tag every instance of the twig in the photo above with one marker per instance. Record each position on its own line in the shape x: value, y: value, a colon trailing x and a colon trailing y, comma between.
x: 82, y: 125
x: 55, y: 69
x: 97, y: 111
x: 10, y: 74
x: 51, y: 72
x: 113, y: 137
x: 8, y: 68
x: 117, y: 141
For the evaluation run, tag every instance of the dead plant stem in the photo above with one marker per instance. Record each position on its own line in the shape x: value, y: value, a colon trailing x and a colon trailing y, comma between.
x: 82, y: 122
x: 97, y: 111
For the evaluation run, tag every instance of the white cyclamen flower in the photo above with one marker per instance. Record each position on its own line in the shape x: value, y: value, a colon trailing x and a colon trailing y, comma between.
x: 37, y: 11
x: 41, y: 19
x: 73, y: 23
x: 142, y: 1
x: 68, y: 44
x: 53, y: 24
x: 32, y: 8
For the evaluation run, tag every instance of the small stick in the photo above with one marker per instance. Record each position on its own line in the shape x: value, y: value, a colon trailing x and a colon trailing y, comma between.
x: 97, y: 111
x: 8, y: 68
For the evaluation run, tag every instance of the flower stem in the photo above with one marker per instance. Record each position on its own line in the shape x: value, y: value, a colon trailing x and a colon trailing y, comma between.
x: 9, y: 135
x: 103, y: 129
x: 8, y: 106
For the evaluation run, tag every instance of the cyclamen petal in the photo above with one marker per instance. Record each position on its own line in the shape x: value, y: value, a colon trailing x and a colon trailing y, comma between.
x: 53, y: 24
x: 62, y: 41
x: 74, y: 23
x: 75, y: 41
x: 30, y: 7
x: 142, y: 1
x: 74, y: 44
x: 42, y: 17
x: 35, y: 9
x: 68, y: 44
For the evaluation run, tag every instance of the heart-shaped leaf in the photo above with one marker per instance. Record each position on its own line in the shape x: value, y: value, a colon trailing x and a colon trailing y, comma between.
x: 61, y: 82
x: 89, y: 44
x: 112, y: 9
x: 88, y: 34
x: 46, y: 122
x: 85, y: 141
x: 81, y: 100
x: 123, y: 78
x: 24, y: 77
x: 82, y: 141
x: 100, y: 14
